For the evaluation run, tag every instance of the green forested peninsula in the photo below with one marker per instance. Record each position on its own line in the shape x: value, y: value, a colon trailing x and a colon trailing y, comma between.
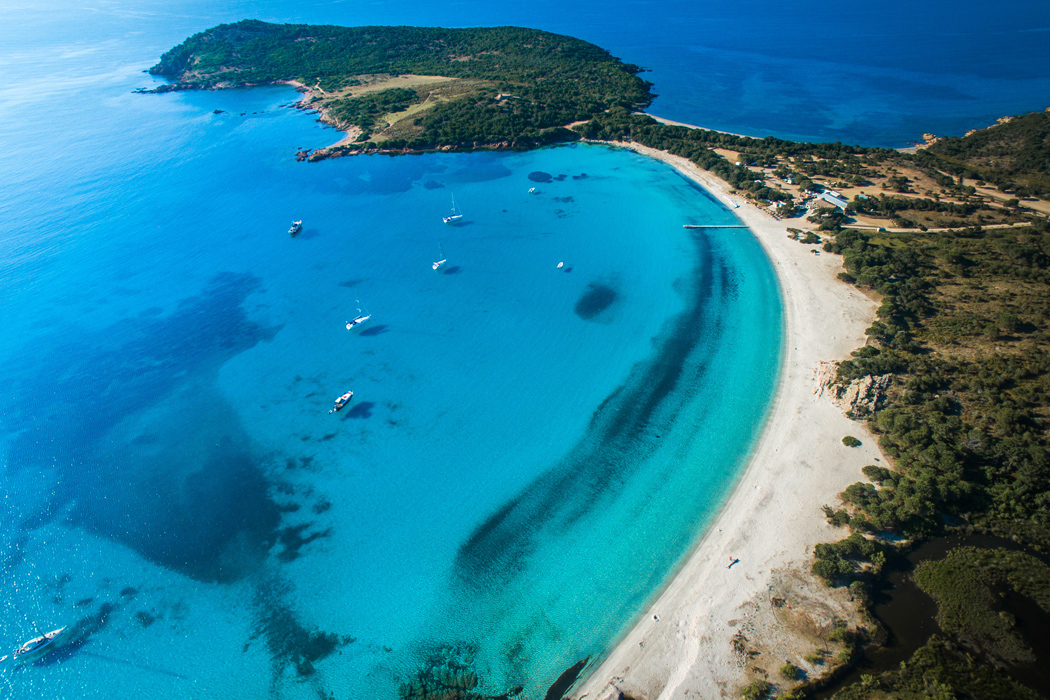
x: 505, y: 85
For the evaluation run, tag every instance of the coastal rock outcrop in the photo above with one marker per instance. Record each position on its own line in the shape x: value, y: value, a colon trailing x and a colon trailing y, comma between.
x: 857, y: 399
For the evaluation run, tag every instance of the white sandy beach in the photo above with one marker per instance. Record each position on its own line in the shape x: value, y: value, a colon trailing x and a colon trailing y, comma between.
x: 683, y: 647
x: 671, y: 122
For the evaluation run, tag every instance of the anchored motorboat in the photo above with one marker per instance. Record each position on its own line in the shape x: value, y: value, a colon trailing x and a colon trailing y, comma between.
x: 342, y: 401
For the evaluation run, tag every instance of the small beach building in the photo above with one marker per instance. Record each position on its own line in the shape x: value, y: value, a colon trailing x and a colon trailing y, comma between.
x: 834, y: 198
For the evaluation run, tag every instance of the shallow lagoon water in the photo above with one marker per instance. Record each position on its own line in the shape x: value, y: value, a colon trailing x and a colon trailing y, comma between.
x: 529, y: 452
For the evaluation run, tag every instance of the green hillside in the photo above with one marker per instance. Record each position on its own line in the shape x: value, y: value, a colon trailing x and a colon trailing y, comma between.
x: 1014, y: 154
x: 508, y: 85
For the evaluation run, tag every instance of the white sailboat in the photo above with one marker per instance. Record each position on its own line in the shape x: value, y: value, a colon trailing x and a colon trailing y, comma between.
x: 30, y: 648
x: 455, y: 216
x: 437, y: 264
x: 360, y: 319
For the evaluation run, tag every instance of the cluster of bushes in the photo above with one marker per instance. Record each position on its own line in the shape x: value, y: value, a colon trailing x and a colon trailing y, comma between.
x: 883, y: 206
x: 938, y: 671
x: 844, y: 164
x: 756, y: 690
x: 962, y: 584
x: 842, y: 561
x: 363, y: 111
x: 525, y: 139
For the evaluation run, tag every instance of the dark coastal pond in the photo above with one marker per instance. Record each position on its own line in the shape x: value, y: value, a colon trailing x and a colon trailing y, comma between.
x: 908, y: 616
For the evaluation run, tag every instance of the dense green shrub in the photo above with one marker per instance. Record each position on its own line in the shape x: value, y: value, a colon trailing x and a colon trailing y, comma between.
x: 962, y: 584
x: 756, y: 690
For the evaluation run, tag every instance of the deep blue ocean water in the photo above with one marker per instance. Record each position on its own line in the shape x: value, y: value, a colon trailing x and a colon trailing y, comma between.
x: 530, y: 450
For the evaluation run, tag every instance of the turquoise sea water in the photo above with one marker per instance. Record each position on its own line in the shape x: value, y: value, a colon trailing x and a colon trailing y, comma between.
x: 530, y: 450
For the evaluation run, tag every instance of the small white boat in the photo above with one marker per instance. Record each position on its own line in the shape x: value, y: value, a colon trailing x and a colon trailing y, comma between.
x: 297, y: 226
x: 455, y: 216
x: 561, y: 265
x: 360, y: 320
x: 36, y: 644
x: 437, y: 264
x: 532, y: 190
x: 341, y: 401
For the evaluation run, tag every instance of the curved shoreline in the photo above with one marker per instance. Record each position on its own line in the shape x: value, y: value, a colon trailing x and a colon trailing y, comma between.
x: 683, y: 646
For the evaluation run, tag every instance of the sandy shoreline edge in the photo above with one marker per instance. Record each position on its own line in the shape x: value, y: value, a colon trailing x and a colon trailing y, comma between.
x: 683, y: 645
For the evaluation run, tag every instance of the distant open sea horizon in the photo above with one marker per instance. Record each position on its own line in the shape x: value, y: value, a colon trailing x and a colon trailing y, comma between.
x: 540, y: 431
